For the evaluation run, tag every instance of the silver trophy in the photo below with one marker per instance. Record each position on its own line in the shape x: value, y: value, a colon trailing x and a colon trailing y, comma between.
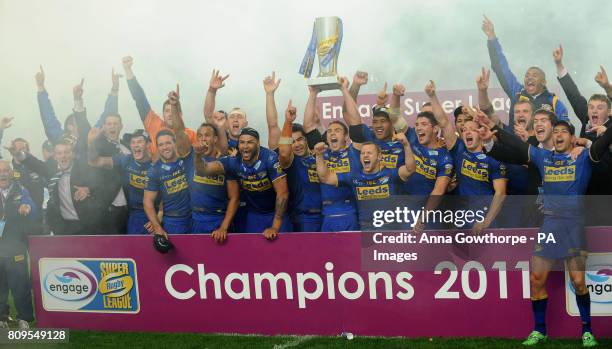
x: 325, y: 44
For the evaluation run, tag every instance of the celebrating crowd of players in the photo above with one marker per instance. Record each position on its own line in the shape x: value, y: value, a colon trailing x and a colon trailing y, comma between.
x: 218, y: 178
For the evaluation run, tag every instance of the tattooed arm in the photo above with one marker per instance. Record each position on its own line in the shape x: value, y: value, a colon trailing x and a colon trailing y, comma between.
x: 282, y: 198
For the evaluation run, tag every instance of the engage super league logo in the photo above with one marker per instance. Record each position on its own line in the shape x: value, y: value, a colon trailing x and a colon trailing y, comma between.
x: 599, y: 282
x: 89, y: 285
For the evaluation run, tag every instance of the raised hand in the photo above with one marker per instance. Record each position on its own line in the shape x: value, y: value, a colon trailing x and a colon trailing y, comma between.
x: 343, y: 81
x: 558, y: 55
x: 601, y: 78
x: 40, y: 79
x: 320, y: 148
x: 481, y: 118
x: 482, y: 80
x: 430, y: 88
x: 488, y: 28
x: 77, y: 91
x: 313, y: 90
x: 127, y: 62
x: 220, y: 122
x: 290, y: 112
x: 399, y: 90
x: 270, y: 83
x: 216, y: 81
x: 401, y: 138
x: 521, y: 131
x: 382, y: 97
x: 173, y: 96
x: 360, y: 78
x: 115, y: 79
x: 6, y: 122
x: 93, y: 134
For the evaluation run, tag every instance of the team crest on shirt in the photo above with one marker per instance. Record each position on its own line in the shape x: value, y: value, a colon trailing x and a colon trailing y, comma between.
x: 448, y: 169
x: 433, y: 152
x: 481, y: 156
x: 257, y: 165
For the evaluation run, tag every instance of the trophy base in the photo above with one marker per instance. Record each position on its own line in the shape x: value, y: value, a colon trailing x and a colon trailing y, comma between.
x: 325, y: 83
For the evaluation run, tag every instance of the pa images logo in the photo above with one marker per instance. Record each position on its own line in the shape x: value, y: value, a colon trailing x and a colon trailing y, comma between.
x: 89, y: 285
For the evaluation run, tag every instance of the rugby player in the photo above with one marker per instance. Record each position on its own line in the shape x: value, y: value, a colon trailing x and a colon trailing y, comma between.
x: 479, y: 176
x: 169, y: 178
x: 263, y: 184
x: 565, y: 179
x: 372, y: 182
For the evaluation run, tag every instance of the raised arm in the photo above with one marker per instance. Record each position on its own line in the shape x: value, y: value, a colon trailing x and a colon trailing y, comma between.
x: 183, y: 144
x: 482, y: 83
x: 601, y: 78
x: 216, y: 82
x: 499, y: 64
x: 310, y: 122
x: 577, y: 101
x: 285, y: 150
x: 220, y: 123
x: 325, y: 175
x: 270, y: 85
x: 447, y: 127
x: 359, y: 79
x: 111, y: 107
x: 138, y: 94
x: 52, y: 126
x: 349, y: 106
x: 409, y: 163
x: 399, y: 123
x: 206, y: 168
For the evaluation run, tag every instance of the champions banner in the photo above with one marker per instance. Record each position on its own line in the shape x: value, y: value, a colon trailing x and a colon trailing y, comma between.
x: 330, y: 108
x: 303, y: 283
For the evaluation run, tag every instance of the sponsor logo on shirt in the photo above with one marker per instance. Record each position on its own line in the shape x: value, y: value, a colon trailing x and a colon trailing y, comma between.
x: 424, y: 169
x: 338, y: 165
x: 471, y: 169
x: 137, y: 181
x: 176, y: 184
x: 373, y: 192
x: 560, y: 174
x: 389, y: 160
x: 256, y: 184
x: 313, y: 177
x: 210, y: 180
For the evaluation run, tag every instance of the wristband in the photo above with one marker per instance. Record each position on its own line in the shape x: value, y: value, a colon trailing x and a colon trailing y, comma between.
x: 400, y: 124
x: 285, y: 141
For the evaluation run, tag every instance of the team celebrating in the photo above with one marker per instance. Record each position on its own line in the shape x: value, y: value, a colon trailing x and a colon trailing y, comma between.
x: 218, y: 179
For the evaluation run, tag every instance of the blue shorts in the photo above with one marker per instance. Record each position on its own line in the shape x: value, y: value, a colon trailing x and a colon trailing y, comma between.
x: 177, y: 225
x: 307, y: 222
x: 206, y: 223
x: 257, y: 222
x: 568, y: 233
x: 136, y: 221
x: 340, y: 222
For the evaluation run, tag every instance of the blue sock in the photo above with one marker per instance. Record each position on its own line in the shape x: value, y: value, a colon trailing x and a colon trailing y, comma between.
x: 539, y: 314
x: 584, y: 306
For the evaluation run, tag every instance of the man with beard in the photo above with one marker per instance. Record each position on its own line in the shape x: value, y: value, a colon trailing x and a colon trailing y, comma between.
x: 132, y: 169
x: 169, y: 177
x: 565, y: 180
x: 295, y: 158
x: 338, y: 203
x: 479, y: 176
x: 152, y: 122
x: 215, y: 198
x: 263, y: 184
x: 534, y: 85
x: 372, y: 183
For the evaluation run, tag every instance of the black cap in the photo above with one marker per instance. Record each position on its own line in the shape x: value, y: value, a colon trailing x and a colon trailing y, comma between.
x: 249, y: 131
x: 567, y: 124
x: 381, y: 111
x: 161, y: 244
x: 127, y: 137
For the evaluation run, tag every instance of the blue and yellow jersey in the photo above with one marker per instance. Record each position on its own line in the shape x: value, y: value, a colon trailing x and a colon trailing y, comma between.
x: 171, y: 180
x: 392, y: 151
x: 256, y: 188
x: 430, y: 164
x: 375, y: 186
x: 475, y: 171
x: 133, y: 178
x: 564, y: 180
x: 340, y: 200
x: 208, y: 193
x: 304, y: 185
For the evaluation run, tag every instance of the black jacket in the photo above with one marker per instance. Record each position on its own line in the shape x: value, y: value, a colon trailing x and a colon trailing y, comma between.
x: 91, y: 211
x: 16, y: 229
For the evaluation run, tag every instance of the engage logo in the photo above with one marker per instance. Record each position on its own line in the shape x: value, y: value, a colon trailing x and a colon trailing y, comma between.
x: 598, y: 278
x: 70, y: 284
x: 90, y: 285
